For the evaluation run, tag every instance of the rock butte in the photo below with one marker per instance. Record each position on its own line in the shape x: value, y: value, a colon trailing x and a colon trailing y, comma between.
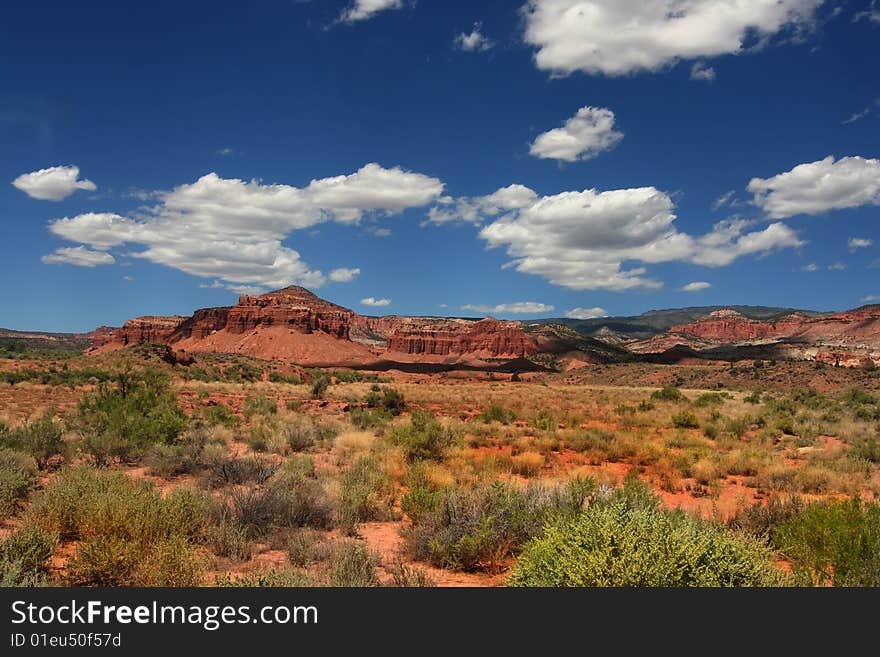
x: 295, y: 325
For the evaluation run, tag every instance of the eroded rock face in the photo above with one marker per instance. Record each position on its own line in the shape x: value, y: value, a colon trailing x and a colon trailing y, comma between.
x: 147, y: 329
x: 488, y: 338
x: 728, y: 326
x: 293, y: 307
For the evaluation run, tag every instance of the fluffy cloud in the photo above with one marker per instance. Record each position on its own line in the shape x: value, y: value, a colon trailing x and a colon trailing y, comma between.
x: 618, y: 37
x: 818, y: 187
x: 343, y: 275
x: 871, y: 298
x: 518, y: 308
x: 233, y: 231
x: 586, y: 313
x: 364, y: 9
x: 837, y: 266
x: 810, y: 267
x: 52, y: 184
x: 727, y: 198
x: 584, y: 136
x: 474, y: 210
x: 584, y: 240
x: 696, y: 286
x: 377, y: 303
x: 474, y: 41
x: 79, y: 256
x: 700, y: 71
x: 856, y: 243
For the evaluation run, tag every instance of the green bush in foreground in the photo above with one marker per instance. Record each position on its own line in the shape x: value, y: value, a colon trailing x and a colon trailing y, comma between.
x: 124, y: 420
x: 479, y: 528
x: 613, y: 543
x: 128, y: 534
x: 18, y: 474
x: 41, y: 438
x: 833, y: 543
x: 424, y: 439
x: 24, y: 556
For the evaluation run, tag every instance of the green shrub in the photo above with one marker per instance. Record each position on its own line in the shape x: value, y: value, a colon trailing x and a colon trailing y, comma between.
x: 254, y: 406
x: 352, y: 565
x: 424, y: 439
x: 497, y: 414
x: 41, y: 438
x: 219, y: 415
x: 866, y: 449
x: 277, y: 377
x: 710, y: 399
x: 404, y: 576
x: 669, y: 393
x: 18, y: 474
x: 761, y: 520
x: 227, y: 539
x: 267, y: 578
x: 613, y: 544
x: 181, y: 458
x: 320, y: 385
x: 421, y: 497
x: 367, y: 493
x: 479, y: 528
x: 289, y: 499
x: 225, y: 469
x: 24, y: 556
x: 302, y: 547
x: 123, y: 420
x: 833, y: 543
x: 685, y: 420
x: 128, y: 534
x: 590, y: 440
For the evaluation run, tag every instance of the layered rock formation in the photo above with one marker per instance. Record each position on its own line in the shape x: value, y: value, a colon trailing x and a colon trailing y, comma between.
x: 487, y: 338
x: 294, y: 324
x: 848, y: 339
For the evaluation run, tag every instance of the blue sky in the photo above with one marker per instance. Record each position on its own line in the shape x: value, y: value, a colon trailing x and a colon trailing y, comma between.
x: 358, y: 148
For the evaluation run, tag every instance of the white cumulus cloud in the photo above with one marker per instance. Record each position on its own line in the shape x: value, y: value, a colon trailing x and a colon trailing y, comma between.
x: 473, y: 41
x: 79, y: 256
x: 517, y: 308
x: 344, y: 275
x: 856, y: 243
x: 377, y: 303
x: 586, y: 240
x: 233, y: 231
x: 810, y: 267
x: 696, y: 286
x: 586, y: 313
x: 619, y: 37
x: 52, y: 184
x: 364, y: 9
x: 818, y: 187
x: 584, y: 136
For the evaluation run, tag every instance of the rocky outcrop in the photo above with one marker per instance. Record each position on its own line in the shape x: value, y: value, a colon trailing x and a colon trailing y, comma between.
x: 729, y: 327
x: 147, y: 329
x: 294, y: 308
x: 488, y: 338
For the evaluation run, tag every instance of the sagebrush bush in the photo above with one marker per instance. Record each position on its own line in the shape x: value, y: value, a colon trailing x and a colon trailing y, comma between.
x: 266, y: 579
x: 223, y: 469
x: 685, y: 420
x: 18, y: 475
x: 24, y: 556
x: 833, y: 543
x: 425, y: 438
x: 127, y: 533
x: 366, y: 493
x: 612, y: 543
x: 254, y: 406
x: 122, y: 420
x: 478, y: 528
x: 228, y: 539
x: 405, y: 576
x: 289, y: 499
x: 42, y: 438
x: 352, y: 565
x: 669, y: 393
